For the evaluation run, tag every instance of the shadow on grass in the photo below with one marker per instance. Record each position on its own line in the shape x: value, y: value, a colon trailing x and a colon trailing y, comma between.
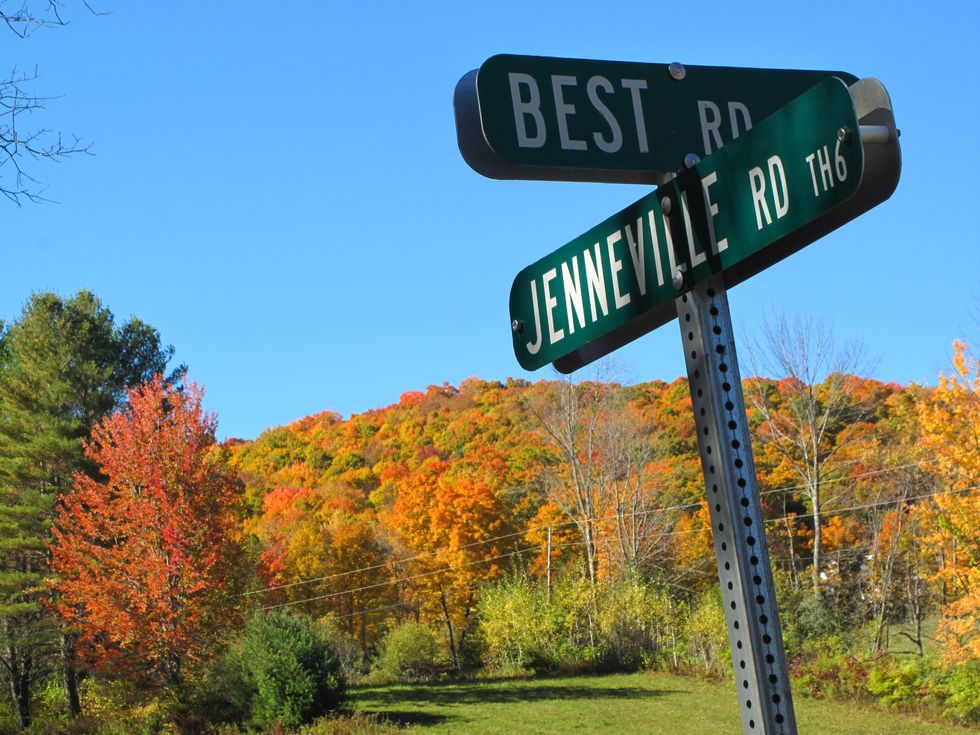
x: 493, y: 691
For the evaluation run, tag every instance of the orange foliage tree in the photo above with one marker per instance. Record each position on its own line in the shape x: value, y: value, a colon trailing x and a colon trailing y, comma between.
x: 143, y: 555
x: 456, y: 529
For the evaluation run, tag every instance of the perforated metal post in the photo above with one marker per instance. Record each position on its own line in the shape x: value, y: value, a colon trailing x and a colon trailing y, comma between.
x: 751, y: 616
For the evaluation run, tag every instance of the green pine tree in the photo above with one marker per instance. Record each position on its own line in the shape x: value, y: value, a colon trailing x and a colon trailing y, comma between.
x: 64, y: 364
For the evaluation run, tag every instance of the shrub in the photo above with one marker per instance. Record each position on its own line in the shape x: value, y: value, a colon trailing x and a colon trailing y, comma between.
x: 291, y: 669
x: 356, y: 723
x: 706, y: 635
x: 828, y: 670
x: 521, y: 629
x: 410, y: 652
x: 962, y: 700
x: 634, y: 618
x: 920, y: 682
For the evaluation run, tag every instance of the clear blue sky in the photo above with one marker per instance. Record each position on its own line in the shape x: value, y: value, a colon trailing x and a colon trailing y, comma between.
x: 277, y: 188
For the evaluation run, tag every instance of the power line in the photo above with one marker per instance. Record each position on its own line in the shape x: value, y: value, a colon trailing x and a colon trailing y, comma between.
x: 665, y: 509
x: 431, y: 572
x: 398, y: 580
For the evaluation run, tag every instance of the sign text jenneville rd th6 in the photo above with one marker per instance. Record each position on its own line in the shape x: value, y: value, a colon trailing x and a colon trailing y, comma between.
x: 750, y: 196
x: 573, y: 119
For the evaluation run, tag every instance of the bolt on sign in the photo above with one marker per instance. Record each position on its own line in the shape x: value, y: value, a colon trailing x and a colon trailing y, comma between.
x: 739, y: 210
x: 536, y: 117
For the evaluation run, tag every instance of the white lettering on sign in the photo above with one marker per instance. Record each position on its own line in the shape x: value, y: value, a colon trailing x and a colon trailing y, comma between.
x: 602, y: 274
x: 780, y: 192
x: 523, y: 109
x: 712, y: 209
x: 615, y: 266
x: 550, y: 302
x: 668, y: 242
x: 616, y: 142
x: 757, y: 182
x: 573, y: 295
x: 778, y: 187
x: 710, y: 115
x: 697, y: 257
x: 533, y: 347
x: 827, y: 173
x: 637, y: 255
x: 597, y: 286
x: 563, y: 110
x: 531, y: 127
x: 736, y: 109
x: 634, y: 86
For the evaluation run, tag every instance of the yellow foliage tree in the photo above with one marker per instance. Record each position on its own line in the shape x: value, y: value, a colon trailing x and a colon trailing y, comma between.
x: 950, y: 419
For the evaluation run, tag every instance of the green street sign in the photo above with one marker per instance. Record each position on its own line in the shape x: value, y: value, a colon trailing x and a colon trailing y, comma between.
x: 536, y: 117
x: 746, y: 206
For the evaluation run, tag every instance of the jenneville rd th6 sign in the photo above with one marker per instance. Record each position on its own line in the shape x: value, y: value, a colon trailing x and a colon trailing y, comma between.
x: 750, y: 198
x: 538, y: 117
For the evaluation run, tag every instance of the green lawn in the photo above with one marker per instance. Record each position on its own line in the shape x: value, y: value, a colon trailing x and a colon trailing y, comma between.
x: 615, y: 704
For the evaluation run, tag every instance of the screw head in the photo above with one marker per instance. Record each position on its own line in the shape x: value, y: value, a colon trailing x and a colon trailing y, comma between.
x: 691, y: 160
x: 677, y: 71
x: 677, y: 280
x: 666, y: 206
x: 517, y: 326
x: 844, y: 135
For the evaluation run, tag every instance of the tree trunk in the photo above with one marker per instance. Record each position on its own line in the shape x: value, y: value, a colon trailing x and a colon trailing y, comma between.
x: 549, y: 564
x: 363, y: 637
x: 69, y: 675
x: 590, y: 550
x: 886, y: 585
x: 790, y: 535
x: 817, y: 530
x: 20, y: 689
x: 449, y: 629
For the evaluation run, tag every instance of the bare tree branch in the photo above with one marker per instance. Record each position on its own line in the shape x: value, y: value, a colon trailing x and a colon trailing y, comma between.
x: 18, y: 143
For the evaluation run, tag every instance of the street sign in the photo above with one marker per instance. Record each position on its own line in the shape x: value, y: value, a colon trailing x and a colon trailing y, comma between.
x: 793, y: 177
x: 736, y: 212
x: 536, y: 117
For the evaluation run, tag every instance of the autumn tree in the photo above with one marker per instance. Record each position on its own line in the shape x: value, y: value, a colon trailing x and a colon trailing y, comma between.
x: 456, y: 531
x: 144, y: 553
x: 808, y: 418
x: 64, y: 364
x: 951, y: 434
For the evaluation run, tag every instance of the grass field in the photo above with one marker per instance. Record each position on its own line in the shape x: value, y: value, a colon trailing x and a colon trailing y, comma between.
x: 615, y: 704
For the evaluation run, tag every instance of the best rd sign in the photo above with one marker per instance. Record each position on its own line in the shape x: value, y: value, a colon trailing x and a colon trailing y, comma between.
x: 536, y: 117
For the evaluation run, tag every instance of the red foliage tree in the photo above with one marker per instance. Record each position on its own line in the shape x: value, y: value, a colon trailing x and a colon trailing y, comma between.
x: 142, y: 557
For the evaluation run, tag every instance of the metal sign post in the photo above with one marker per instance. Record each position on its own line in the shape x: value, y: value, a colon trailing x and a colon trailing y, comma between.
x: 751, y: 615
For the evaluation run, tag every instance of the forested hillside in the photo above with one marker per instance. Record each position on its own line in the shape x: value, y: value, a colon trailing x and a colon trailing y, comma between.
x: 408, y: 512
